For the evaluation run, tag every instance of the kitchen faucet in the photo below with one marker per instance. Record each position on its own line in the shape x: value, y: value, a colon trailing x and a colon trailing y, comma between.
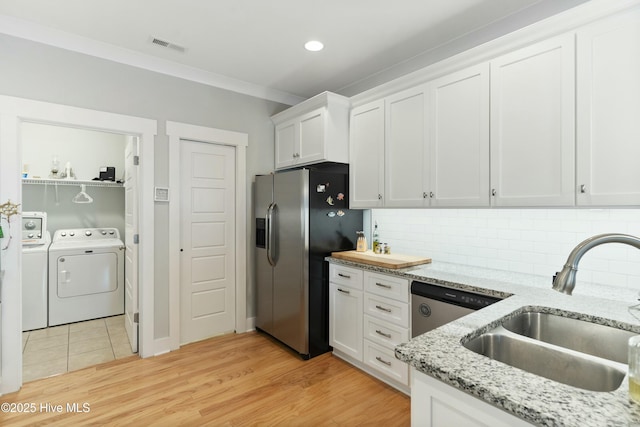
x: 565, y: 280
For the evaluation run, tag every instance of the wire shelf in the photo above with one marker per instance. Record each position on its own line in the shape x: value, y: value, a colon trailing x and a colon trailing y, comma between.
x: 71, y: 182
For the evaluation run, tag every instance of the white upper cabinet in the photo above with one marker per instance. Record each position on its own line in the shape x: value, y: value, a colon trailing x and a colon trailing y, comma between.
x: 406, y: 151
x: 459, y: 138
x: 286, y: 144
x: 366, y: 151
x: 316, y: 130
x: 533, y: 125
x: 608, y: 116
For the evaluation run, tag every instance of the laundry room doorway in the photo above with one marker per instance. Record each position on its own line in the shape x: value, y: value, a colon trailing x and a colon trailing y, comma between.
x: 85, y: 182
x: 15, y: 114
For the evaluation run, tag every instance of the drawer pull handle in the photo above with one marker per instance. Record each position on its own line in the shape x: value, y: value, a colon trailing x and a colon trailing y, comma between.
x: 379, y: 307
x: 346, y: 276
x: 343, y: 291
x: 379, y: 332
x: 381, y: 360
x: 382, y: 285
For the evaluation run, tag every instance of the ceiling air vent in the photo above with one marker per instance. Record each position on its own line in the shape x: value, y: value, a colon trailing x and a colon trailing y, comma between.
x: 168, y: 45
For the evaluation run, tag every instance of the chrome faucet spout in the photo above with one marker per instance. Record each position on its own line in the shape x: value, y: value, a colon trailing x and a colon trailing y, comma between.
x: 565, y: 280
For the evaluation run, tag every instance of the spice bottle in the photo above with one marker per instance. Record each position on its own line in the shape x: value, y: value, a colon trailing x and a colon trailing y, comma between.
x: 376, y: 239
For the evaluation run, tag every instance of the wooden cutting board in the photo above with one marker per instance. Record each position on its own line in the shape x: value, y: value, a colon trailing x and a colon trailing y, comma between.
x: 381, y: 260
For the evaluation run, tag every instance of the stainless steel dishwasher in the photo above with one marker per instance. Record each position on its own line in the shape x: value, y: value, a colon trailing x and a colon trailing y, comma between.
x: 433, y: 305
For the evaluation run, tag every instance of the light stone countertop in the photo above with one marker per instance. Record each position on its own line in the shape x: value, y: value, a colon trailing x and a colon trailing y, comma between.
x: 440, y: 354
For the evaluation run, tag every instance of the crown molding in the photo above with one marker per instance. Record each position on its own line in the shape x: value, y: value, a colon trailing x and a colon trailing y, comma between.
x: 30, y: 31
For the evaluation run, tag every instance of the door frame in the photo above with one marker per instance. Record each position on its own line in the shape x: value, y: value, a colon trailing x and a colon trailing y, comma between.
x: 177, y: 131
x: 14, y: 111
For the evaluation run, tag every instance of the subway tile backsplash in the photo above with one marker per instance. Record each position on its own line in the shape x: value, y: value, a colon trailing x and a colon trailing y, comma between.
x: 533, y: 241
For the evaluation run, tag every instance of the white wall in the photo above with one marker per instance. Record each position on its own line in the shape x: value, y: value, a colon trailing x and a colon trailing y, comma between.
x: 534, y: 241
x: 85, y: 150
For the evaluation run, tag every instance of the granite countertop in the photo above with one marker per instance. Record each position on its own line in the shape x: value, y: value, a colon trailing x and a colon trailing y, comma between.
x: 440, y: 354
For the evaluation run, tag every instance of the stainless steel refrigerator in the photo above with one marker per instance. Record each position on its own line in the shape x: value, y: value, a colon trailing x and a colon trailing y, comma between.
x: 301, y: 216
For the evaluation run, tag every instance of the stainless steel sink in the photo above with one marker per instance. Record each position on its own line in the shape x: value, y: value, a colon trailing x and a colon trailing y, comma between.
x: 570, y: 351
x: 591, y: 338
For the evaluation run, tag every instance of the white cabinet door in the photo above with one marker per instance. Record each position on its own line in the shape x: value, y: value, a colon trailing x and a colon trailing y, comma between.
x: 436, y: 404
x: 459, y: 135
x: 286, y: 144
x: 608, y: 122
x: 345, y: 320
x: 301, y: 140
x: 533, y: 125
x: 406, y: 149
x: 312, y: 137
x: 366, y: 153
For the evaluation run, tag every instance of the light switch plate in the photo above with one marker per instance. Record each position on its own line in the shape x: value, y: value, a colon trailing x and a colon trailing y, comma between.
x: 161, y: 194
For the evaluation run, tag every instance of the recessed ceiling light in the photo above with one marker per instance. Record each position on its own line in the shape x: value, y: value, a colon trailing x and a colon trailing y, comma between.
x: 313, y: 46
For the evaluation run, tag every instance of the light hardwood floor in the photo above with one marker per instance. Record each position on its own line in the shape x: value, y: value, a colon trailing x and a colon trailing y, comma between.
x: 234, y: 380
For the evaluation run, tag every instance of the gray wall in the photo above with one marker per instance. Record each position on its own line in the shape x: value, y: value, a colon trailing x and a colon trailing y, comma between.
x: 40, y: 72
x: 107, y: 209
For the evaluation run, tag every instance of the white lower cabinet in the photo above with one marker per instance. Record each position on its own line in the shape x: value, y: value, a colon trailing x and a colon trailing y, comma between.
x: 384, y: 333
x: 383, y: 360
x: 387, y: 309
x: 436, y: 404
x: 345, y: 333
x: 366, y: 325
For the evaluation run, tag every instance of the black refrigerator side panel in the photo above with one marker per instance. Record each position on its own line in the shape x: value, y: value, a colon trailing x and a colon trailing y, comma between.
x: 332, y: 227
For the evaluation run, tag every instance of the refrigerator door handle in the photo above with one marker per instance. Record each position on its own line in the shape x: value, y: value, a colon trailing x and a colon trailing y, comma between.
x: 269, y: 226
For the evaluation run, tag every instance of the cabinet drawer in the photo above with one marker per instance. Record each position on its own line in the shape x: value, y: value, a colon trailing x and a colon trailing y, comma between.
x: 387, y: 286
x: 346, y: 276
x: 387, y: 309
x: 384, y: 333
x: 384, y: 361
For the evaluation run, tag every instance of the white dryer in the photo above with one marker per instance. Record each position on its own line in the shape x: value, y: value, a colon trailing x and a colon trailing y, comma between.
x: 35, y: 244
x: 86, y: 275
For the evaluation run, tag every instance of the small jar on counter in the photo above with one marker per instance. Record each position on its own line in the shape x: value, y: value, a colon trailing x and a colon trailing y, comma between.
x: 387, y: 249
x: 361, y: 243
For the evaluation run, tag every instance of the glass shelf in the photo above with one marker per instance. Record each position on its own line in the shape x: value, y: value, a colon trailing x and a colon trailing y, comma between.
x: 71, y: 182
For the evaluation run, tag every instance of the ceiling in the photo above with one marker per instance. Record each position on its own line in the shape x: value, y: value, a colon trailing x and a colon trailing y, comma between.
x: 256, y: 46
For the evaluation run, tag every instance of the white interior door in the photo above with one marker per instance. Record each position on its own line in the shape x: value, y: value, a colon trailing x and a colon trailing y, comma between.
x: 207, y: 276
x: 130, y: 231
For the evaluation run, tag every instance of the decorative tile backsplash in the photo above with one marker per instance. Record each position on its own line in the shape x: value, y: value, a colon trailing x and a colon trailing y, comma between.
x: 534, y: 241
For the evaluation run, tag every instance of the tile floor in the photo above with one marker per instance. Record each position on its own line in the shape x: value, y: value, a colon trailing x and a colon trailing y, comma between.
x: 60, y: 349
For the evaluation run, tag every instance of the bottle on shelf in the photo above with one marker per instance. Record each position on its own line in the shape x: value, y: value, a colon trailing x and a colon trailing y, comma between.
x: 376, y: 239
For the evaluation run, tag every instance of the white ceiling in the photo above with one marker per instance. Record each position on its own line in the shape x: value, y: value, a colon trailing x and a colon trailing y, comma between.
x: 256, y: 46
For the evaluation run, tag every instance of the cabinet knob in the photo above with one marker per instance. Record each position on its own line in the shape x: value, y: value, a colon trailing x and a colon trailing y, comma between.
x: 431, y: 194
x: 493, y: 191
x: 424, y: 195
x: 583, y: 188
x: 379, y: 196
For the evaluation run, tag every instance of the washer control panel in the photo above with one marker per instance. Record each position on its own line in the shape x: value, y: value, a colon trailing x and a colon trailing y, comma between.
x: 84, y: 234
x: 34, y: 228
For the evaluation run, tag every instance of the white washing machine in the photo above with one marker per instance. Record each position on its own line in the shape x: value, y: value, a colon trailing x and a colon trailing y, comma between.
x: 35, y: 244
x: 86, y: 275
